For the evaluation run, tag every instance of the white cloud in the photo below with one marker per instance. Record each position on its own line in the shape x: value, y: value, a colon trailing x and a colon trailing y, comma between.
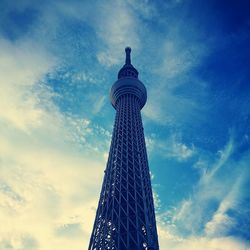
x: 182, y: 151
x: 166, y: 108
x: 22, y: 64
x: 45, y: 184
x: 174, y: 148
x: 118, y: 30
x: 150, y: 140
x: 223, y: 243
x: 180, y: 52
x: 223, y: 158
x: 99, y: 104
x: 170, y: 239
x: 114, y: 29
x: 145, y: 8
x: 157, y: 201
x: 207, y: 210
x: 45, y: 181
x: 181, y: 56
x: 221, y: 222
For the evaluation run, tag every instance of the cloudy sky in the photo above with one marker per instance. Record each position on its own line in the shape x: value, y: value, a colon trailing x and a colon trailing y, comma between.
x: 58, y: 60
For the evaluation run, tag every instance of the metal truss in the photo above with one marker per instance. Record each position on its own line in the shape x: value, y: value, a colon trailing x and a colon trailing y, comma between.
x: 125, y: 217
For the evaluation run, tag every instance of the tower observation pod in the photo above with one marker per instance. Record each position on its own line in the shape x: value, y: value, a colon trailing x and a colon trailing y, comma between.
x: 125, y: 217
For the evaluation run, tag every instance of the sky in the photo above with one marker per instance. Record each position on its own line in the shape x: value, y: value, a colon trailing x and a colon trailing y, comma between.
x: 58, y: 61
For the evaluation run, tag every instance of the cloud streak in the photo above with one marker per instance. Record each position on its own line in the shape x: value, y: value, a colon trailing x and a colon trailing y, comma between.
x: 206, y: 216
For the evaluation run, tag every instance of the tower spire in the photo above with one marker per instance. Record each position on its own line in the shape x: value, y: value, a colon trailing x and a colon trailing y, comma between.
x: 128, y: 69
x: 128, y: 58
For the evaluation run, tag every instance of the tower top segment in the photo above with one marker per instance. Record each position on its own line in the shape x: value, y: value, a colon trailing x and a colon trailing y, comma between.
x: 128, y: 69
x: 128, y: 83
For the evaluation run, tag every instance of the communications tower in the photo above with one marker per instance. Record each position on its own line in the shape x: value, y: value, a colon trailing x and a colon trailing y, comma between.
x: 125, y: 217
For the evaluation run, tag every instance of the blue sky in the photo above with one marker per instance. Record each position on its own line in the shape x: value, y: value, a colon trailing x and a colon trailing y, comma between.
x: 58, y: 60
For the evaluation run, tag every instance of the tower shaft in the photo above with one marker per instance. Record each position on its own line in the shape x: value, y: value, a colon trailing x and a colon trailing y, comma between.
x: 125, y: 217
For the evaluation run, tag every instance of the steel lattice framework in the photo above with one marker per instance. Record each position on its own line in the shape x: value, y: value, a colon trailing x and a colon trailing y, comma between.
x: 125, y: 218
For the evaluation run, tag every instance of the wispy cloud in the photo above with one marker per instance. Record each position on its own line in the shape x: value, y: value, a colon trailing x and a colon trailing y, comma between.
x: 22, y: 65
x: 174, y: 147
x: 224, y: 156
x: 169, y: 238
x: 169, y: 102
x: 208, y: 210
x: 46, y: 180
x: 223, y: 243
x: 118, y: 30
x: 44, y: 185
x: 144, y: 8
x: 181, y: 56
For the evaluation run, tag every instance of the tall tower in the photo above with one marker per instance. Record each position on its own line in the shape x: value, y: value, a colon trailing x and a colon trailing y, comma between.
x: 125, y: 217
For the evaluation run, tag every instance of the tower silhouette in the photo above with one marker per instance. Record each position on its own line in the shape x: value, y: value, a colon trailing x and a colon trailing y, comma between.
x: 125, y: 217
